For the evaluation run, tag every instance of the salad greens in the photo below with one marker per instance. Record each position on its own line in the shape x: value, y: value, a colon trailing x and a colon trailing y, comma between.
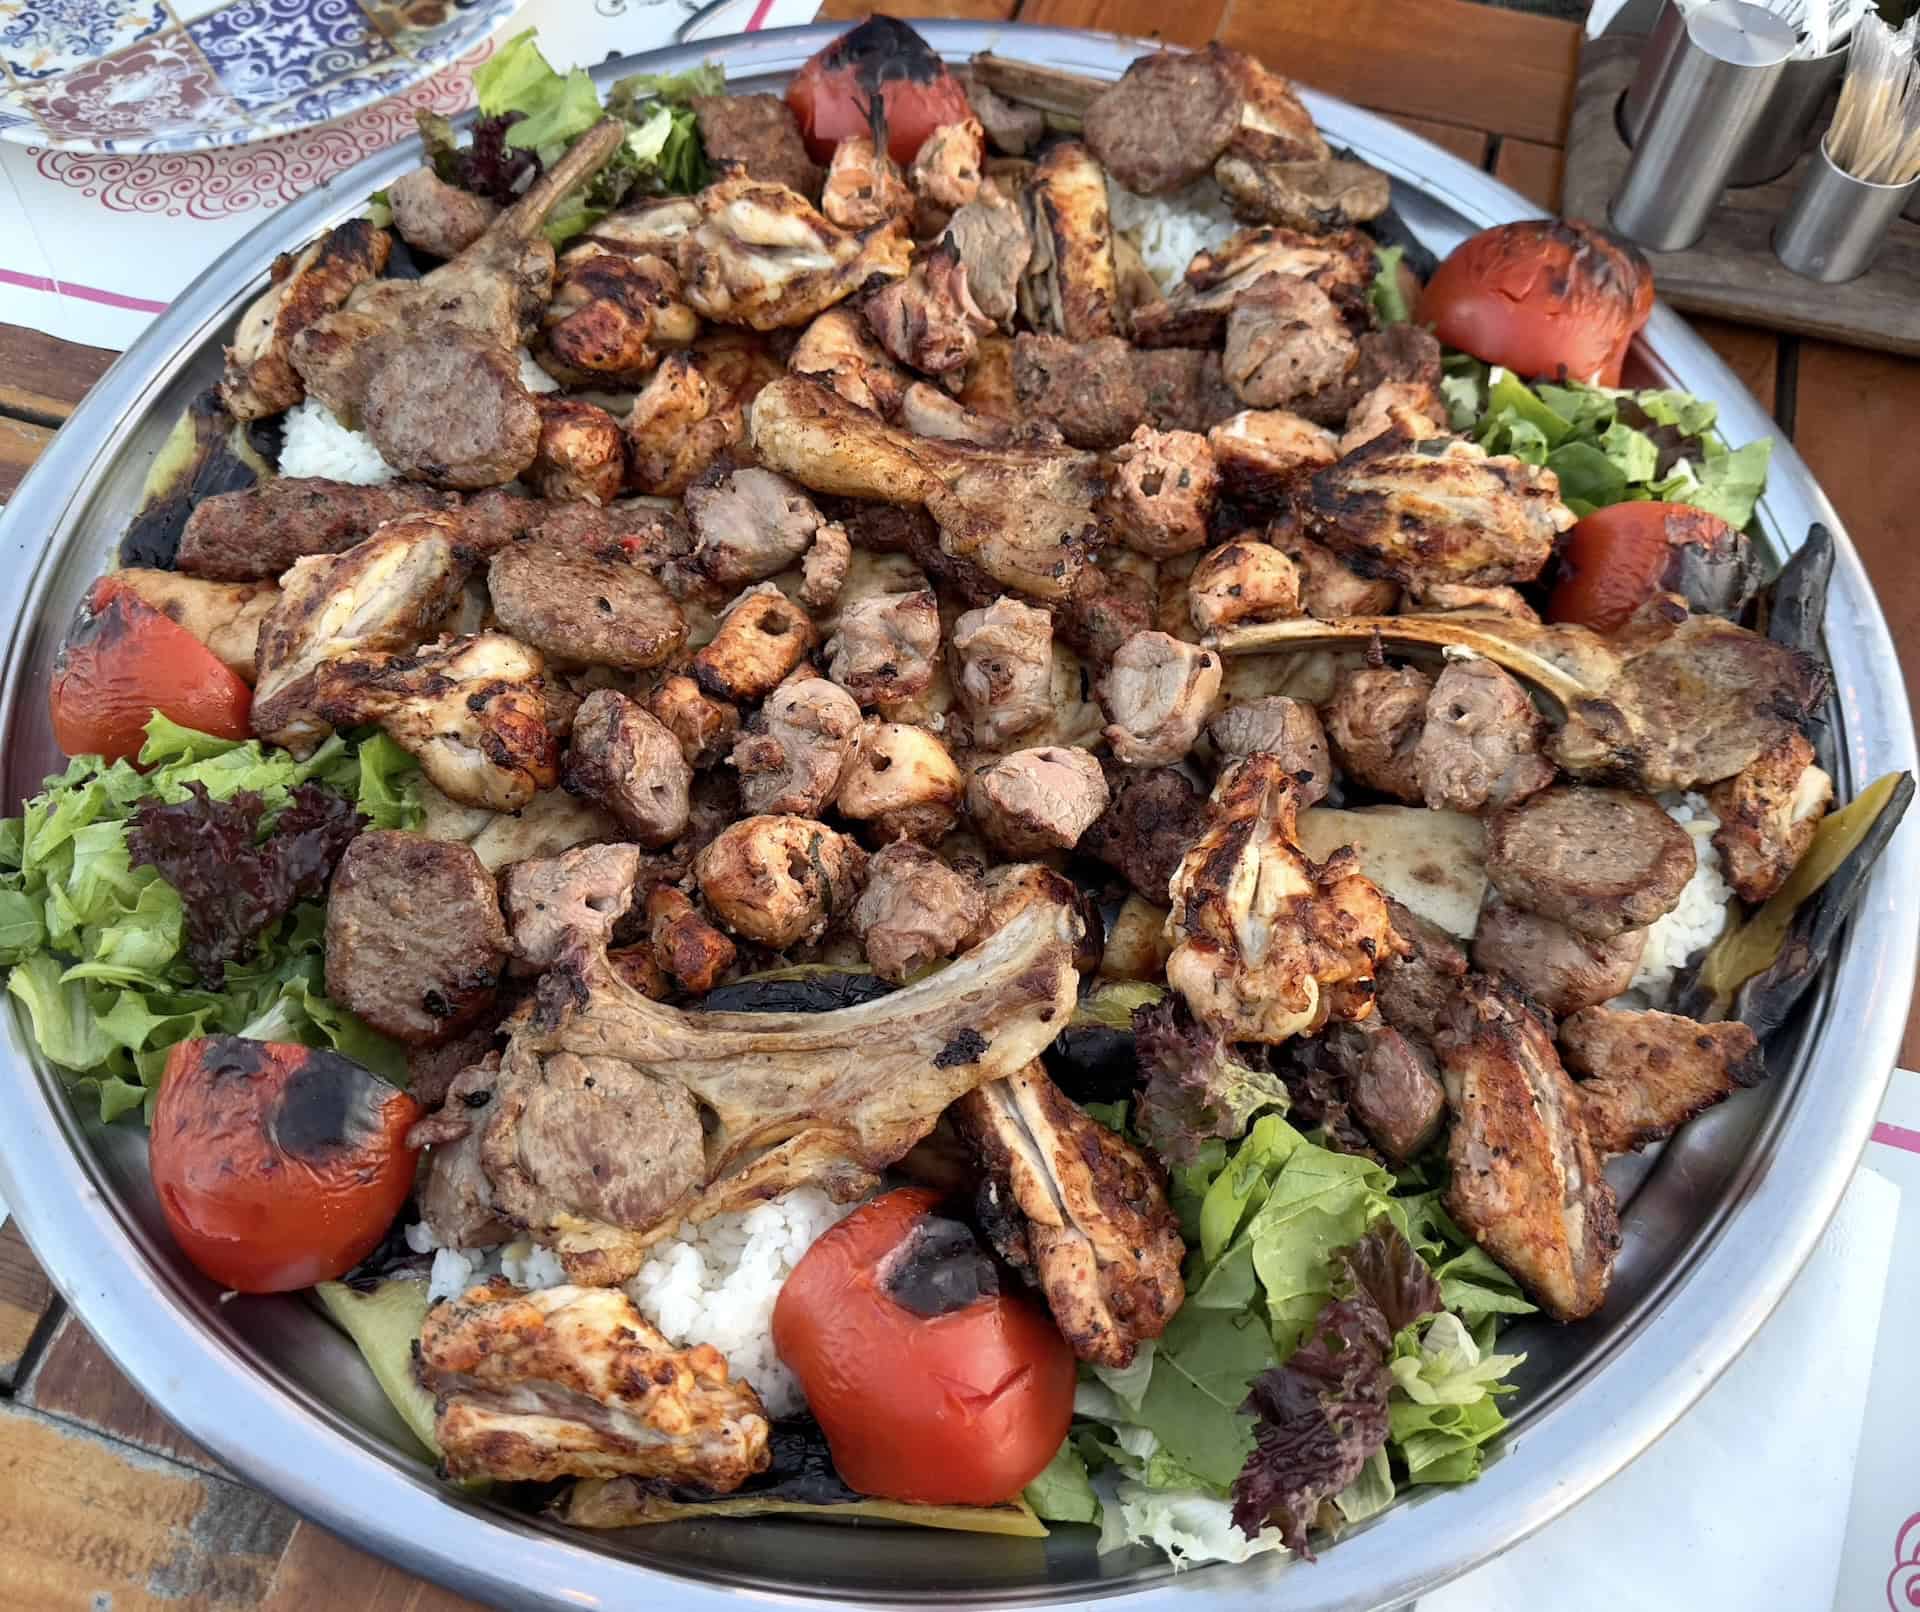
x: 530, y: 113
x: 100, y: 949
x: 1609, y: 445
x: 1292, y: 1243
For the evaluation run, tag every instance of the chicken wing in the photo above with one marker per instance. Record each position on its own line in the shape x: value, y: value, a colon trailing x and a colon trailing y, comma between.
x: 612, y: 317
x: 1643, y: 1075
x: 864, y: 187
x: 1526, y: 1181
x: 1070, y: 287
x: 1070, y: 1201
x: 1269, y: 945
x: 761, y: 256
x: 471, y: 711
x: 575, y: 1382
x: 260, y: 377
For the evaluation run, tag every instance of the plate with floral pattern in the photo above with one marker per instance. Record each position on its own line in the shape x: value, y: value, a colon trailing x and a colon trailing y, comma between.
x: 186, y: 75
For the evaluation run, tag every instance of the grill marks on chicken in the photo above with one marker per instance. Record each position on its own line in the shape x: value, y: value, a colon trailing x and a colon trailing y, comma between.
x: 575, y: 1382
x: 1195, y: 312
x: 1768, y: 812
x: 929, y: 321
x: 612, y: 317
x: 1070, y: 287
x: 1647, y: 1074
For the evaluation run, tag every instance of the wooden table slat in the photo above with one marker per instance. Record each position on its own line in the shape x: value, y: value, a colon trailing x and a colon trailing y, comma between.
x: 43, y: 376
x: 1190, y: 24
x: 74, y: 1381
x: 319, y: 1570
x: 1470, y: 145
x: 1532, y: 169
x: 21, y: 442
x: 26, y: 1300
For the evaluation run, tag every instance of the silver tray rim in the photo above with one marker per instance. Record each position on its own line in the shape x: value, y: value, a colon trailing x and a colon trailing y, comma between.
x: 1667, y: 1351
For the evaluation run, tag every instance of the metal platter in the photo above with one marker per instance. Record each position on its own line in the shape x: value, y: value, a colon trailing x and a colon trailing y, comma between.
x: 1716, y: 1226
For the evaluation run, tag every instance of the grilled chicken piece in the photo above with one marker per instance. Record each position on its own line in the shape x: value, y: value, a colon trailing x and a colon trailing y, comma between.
x: 1644, y: 1075
x: 990, y: 233
x: 471, y: 711
x: 1154, y: 815
x: 1260, y: 452
x: 583, y: 610
x: 1278, y: 726
x: 748, y: 524
x: 864, y: 187
x: 1600, y: 861
x: 705, y: 727
x: 1560, y: 970
x: 1341, y: 265
x: 1275, y: 125
x: 1526, y: 1180
x: 928, y: 321
x: 1002, y: 667
x: 260, y: 378
x: 624, y: 759
x: 1374, y: 722
x: 901, y: 784
x: 1324, y: 195
x: 435, y: 217
x: 575, y: 1382
x: 1412, y: 408
x: 582, y: 456
x: 838, y: 351
x: 657, y: 228
x: 1066, y: 1199
x: 1480, y: 747
x: 778, y: 880
x: 915, y: 910
x: 386, y: 594
x: 1698, y: 701
x: 1164, y: 492
x: 430, y: 362
x: 927, y: 411
x: 886, y: 646
x: 1286, y: 344
x: 696, y: 1114
x: 792, y: 754
x: 1157, y: 694
x: 225, y: 616
x: 1768, y: 813
x: 1070, y: 288
x: 1440, y: 510
x: 1038, y: 800
x: 694, y: 409
x: 946, y: 170
x: 1025, y: 516
x: 1242, y: 581
x: 762, y: 636
x: 1268, y: 944
x: 612, y: 317
x: 1330, y: 589
x: 761, y: 256
x: 685, y: 945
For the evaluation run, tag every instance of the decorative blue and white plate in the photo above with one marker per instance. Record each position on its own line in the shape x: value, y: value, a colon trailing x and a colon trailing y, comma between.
x: 185, y: 75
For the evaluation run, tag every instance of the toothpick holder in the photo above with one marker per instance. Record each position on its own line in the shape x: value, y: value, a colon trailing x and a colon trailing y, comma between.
x: 1837, y: 224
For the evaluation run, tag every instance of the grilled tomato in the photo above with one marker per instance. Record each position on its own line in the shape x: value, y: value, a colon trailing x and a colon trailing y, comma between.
x: 1619, y: 557
x: 834, y: 92
x: 1546, y: 299
x: 278, y: 1166
x: 930, y: 1383
x: 122, y: 661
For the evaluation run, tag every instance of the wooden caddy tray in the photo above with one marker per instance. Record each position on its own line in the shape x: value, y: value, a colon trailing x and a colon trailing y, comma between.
x: 1731, y: 271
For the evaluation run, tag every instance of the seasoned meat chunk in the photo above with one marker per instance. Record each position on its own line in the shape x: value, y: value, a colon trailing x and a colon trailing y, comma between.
x: 990, y: 234
x: 1275, y: 125
x: 929, y: 321
x: 792, y: 755
x: 1013, y: 126
x: 1480, y: 748
x: 779, y: 880
x: 1329, y: 587
x: 255, y: 535
x: 1037, y: 800
x: 1155, y: 813
x: 705, y: 727
x: 415, y: 940
x: 1392, y: 1086
x: 1768, y: 812
x: 1185, y: 389
x: 630, y: 764
x: 685, y: 945
x: 1157, y: 694
x: 1259, y: 452
x: 901, y: 783
x: 576, y: 897
x: 1647, y: 1074
x: 431, y: 1071
x: 1278, y: 726
x: 1242, y: 582
x: 946, y: 169
x: 885, y: 647
x: 1562, y: 971
x: 1312, y: 195
x: 1165, y: 121
x: 582, y: 456
x: 823, y: 570
x: 864, y: 186
x: 260, y: 378
x: 582, y: 609
x: 748, y: 524
x: 1164, y: 492
x: 1417, y: 987
x: 759, y: 135
x: 1374, y: 721
x: 762, y: 637
x: 435, y: 217
x: 612, y: 317
x: 1285, y: 342
x: 1412, y: 408
x: 1002, y: 663
x: 1601, y: 861
x: 1091, y: 390
x: 915, y: 910
x: 838, y: 350
x: 1195, y: 312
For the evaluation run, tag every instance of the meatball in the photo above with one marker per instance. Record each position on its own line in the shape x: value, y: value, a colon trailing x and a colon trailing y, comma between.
x: 779, y: 880
x: 626, y: 761
x: 578, y: 608
x: 792, y: 755
x: 1600, y: 861
x: 1037, y: 800
x: 415, y: 940
x: 914, y: 910
x: 1560, y: 970
x: 1156, y: 695
x: 1373, y: 724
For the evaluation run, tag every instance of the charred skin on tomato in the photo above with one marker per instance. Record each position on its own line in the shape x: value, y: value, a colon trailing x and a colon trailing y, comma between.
x: 277, y: 1166
x: 1619, y: 557
x: 884, y: 61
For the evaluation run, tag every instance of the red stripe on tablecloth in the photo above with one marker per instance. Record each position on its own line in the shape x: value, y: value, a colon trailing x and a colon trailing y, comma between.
x: 1897, y: 1136
x: 759, y: 16
x: 86, y: 293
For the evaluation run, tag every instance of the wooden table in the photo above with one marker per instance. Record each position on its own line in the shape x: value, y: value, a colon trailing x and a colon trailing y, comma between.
x: 103, y: 1504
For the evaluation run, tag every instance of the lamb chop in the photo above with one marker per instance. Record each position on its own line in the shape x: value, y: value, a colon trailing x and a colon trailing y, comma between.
x: 429, y: 363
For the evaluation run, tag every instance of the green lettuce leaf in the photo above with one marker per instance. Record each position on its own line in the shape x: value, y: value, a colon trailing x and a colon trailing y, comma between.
x: 1389, y: 299
x: 1063, y: 1492
x: 1371, y: 1492
x: 1202, y: 1368
x: 675, y: 89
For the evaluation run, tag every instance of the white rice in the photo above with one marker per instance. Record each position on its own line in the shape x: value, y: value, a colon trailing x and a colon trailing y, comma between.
x: 522, y: 1263
x: 1703, y: 913
x: 717, y: 1285
x: 1170, y: 229
x: 317, y: 444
